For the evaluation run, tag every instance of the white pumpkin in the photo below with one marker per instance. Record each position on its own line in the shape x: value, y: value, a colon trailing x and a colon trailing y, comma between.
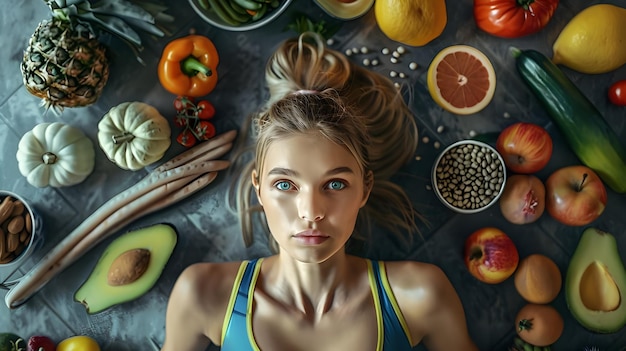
x: 134, y: 135
x: 56, y: 155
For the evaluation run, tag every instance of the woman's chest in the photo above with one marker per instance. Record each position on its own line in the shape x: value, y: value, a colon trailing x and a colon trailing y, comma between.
x: 354, y: 327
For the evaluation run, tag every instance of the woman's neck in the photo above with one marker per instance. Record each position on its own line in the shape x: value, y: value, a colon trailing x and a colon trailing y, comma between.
x: 312, y: 288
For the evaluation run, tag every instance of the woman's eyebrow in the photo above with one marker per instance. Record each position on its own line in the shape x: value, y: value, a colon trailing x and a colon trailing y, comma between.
x: 339, y: 170
x: 282, y: 171
x: 290, y: 172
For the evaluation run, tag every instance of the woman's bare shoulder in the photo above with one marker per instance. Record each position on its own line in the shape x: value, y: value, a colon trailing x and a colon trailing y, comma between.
x: 413, y: 274
x: 430, y: 305
x: 209, y: 282
x: 419, y: 287
x: 198, y: 303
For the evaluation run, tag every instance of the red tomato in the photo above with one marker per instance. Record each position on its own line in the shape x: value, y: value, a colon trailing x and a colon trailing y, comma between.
x: 513, y: 18
x: 206, y: 110
x: 186, y: 138
x: 180, y: 121
x: 617, y: 93
x: 204, y: 130
x: 183, y: 103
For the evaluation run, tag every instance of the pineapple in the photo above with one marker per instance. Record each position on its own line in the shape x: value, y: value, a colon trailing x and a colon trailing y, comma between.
x: 65, y: 64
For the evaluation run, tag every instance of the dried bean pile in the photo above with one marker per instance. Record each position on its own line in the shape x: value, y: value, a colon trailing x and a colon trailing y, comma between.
x: 15, y: 228
x: 469, y: 176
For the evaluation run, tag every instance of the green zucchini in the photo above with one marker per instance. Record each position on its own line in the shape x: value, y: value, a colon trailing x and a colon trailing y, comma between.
x: 588, y: 134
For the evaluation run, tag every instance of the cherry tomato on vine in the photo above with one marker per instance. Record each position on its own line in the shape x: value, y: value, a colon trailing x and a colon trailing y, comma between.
x: 617, y: 93
x: 182, y: 103
x: 186, y: 138
x: 181, y: 121
x: 204, y: 130
x: 206, y: 110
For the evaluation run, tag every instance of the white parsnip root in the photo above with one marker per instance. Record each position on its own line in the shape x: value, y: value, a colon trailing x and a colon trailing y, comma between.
x: 169, y: 183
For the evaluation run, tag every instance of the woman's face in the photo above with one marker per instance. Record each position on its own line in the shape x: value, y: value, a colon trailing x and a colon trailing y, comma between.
x: 311, y: 190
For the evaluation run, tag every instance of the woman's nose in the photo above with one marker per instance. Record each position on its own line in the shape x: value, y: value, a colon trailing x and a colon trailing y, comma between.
x: 310, y: 206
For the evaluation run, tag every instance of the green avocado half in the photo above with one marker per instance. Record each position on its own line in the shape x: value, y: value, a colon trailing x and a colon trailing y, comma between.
x: 595, y: 283
x: 128, y: 267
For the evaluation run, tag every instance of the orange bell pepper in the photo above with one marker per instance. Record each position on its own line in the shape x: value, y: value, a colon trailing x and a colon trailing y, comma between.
x: 188, y: 66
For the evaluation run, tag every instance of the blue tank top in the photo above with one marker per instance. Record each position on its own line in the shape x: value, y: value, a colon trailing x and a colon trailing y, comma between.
x: 237, y: 329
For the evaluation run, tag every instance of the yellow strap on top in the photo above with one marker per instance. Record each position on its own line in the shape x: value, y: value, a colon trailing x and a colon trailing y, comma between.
x: 233, y: 297
x: 392, y: 299
x: 377, y: 307
x: 255, y: 276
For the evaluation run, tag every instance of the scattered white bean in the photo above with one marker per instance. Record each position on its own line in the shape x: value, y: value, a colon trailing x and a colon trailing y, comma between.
x: 506, y: 115
x: 330, y: 41
x: 355, y: 50
x: 401, y: 49
x: 374, y: 62
x: 366, y: 62
x: 385, y: 51
x: 393, y: 60
x: 348, y: 52
x: 425, y: 140
x: 393, y: 74
x: 364, y: 50
x: 428, y: 187
x: 412, y: 66
x: 418, y: 158
x: 437, y: 144
x: 397, y: 85
x: 401, y: 75
x: 472, y: 133
x: 395, y: 54
x: 440, y: 129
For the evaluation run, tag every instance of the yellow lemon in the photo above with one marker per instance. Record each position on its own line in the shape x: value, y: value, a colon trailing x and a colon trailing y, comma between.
x: 411, y: 22
x: 594, y: 41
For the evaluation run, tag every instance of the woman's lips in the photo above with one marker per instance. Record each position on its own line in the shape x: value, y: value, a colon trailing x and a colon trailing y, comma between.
x: 311, y: 237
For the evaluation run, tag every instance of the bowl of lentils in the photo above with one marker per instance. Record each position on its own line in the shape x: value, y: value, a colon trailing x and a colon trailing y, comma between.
x: 468, y: 176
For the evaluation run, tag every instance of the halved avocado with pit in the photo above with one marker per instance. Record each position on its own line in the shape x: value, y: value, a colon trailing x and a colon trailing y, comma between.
x: 128, y: 267
x: 595, y: 283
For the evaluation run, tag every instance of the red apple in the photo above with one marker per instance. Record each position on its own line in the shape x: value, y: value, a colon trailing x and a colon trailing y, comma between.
x: 490, y: 255
x: 575, y: 195
x: 525, y: 147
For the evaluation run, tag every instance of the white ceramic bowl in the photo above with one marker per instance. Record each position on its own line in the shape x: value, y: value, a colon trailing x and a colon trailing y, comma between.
x: 469, y: 176
x: 201, y: 8
x: 27, y: 246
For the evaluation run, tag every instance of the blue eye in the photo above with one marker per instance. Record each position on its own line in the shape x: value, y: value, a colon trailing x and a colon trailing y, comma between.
x: 283, y: 185
x: 336, y: 185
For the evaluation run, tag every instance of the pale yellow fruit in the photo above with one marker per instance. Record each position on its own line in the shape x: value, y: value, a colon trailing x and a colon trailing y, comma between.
x: 411, y: 22
x: 594, y: 41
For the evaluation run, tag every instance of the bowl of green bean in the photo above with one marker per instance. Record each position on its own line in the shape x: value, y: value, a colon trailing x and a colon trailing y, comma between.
x: 469, y: 176
x: 239, y: 15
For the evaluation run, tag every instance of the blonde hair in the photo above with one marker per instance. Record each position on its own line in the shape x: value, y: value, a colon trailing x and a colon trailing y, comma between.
x: 316, y: 89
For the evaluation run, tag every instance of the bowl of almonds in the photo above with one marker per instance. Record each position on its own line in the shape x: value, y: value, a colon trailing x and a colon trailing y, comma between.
x: 18, y: 229
x: 468, y: 176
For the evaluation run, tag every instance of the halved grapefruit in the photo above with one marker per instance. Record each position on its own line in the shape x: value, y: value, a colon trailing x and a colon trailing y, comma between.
x: 461, y: 79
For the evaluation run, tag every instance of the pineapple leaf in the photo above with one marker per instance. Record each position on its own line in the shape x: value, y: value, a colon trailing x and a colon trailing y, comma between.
x: 150, y: 28
x: 114, y: 25
x: 124, y: 9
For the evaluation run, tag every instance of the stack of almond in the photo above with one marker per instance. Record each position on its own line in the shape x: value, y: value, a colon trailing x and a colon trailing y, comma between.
x: 16, y: 228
